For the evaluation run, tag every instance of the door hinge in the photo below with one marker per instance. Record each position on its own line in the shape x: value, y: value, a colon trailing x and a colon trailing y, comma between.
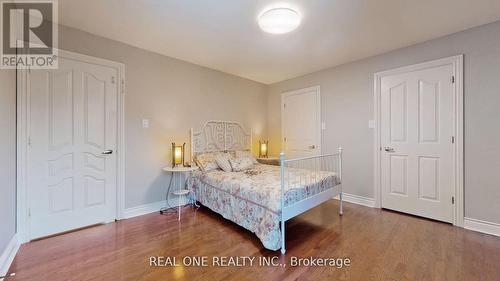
x: 284, y: 105
x: 284, y: 139
x: 113, y: 80
x: 452, y: 139
x: 29, y: 212
x: 452, y: 199
x: 452, y: 79
x: 123, y: 86
x: 29, y: 141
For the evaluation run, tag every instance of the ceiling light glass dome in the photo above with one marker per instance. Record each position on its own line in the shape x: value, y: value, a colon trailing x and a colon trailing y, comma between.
x: 279, y: 20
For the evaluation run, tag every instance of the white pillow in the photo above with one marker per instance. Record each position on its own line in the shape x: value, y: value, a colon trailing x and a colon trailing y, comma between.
x: 241, y: 163
x: 222, y: 160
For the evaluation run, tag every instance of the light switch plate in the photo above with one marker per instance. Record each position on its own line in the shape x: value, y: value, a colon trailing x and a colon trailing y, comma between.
x: 371, y: 124
x: 145, y: 123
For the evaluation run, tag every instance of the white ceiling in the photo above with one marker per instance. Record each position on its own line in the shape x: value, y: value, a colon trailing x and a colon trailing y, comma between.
x: 224, y: 34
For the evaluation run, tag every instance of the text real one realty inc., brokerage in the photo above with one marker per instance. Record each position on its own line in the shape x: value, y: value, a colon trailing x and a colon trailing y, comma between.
x: 242, y: 261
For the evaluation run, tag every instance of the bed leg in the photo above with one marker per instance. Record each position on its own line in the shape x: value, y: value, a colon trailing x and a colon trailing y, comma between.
x: 283, y: 237
x: 341, y: 211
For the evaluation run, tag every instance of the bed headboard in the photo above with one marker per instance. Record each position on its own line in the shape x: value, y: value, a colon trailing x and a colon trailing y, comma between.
x: 220, y: 136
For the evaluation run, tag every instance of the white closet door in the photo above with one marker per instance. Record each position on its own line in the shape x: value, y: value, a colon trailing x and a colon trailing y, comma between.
x: 72, y: 123
x: 417, y: 122
x: 301, y: 121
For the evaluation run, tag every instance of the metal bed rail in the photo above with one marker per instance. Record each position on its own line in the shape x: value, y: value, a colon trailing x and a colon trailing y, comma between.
x: 307, y: 171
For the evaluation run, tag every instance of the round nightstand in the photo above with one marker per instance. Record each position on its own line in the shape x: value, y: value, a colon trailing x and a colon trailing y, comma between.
x: 179, y: 186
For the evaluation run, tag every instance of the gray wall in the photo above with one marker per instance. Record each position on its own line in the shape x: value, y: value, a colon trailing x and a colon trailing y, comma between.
x: 174, y: 96
x: 7, y: 157
x: 347, y: 105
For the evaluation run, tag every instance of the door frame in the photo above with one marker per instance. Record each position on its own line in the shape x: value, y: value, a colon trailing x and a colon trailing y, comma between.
x: 317, y: 89
x: 458, y: 157
x: 22, y: 222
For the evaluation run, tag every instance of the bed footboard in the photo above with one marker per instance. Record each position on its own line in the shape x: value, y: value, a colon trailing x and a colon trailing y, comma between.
x: 323, y: 172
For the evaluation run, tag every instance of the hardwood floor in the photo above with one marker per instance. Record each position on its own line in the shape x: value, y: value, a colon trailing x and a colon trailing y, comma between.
x: 381, y: 245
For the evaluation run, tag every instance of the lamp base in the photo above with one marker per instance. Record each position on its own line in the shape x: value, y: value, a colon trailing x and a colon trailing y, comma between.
x: 181, y: 165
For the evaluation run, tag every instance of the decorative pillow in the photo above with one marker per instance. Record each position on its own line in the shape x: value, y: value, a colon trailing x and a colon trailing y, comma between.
x: 245, y: 153
x: 206, y: 161
x: 222, y: 160
x: 241, y: 163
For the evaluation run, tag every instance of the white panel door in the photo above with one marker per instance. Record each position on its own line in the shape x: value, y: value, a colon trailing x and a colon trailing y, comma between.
x: 72, y: 139
x: 417, y: 121
x: 301, y: 121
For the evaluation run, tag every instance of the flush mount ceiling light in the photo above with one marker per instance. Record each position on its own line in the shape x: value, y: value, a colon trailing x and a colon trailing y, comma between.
x: 279, y: 20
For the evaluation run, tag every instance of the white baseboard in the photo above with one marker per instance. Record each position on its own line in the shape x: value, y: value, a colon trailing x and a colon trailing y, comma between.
x: 143, y: 209
x: 356, y: 199
x: 156, y: 206
x: 8, y: 255
x: 149, y: 208
x: 482, y: 226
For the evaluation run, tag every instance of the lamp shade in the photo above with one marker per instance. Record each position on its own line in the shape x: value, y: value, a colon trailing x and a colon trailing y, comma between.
x: 178, y: 154
x: 263, y: 149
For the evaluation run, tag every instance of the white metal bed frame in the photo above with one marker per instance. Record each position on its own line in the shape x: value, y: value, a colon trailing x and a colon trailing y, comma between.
x: 221, y: 136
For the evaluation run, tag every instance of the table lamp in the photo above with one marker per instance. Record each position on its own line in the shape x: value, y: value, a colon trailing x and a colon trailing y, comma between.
x: 178, y: 154
x: 263, y: 145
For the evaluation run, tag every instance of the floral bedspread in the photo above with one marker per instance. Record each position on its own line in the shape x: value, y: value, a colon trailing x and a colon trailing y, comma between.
x: 251, y: 198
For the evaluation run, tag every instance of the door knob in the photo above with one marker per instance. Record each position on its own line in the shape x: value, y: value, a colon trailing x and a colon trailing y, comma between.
x: 312, y: 146
x: 389, y: 149
x: 109, y: 151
